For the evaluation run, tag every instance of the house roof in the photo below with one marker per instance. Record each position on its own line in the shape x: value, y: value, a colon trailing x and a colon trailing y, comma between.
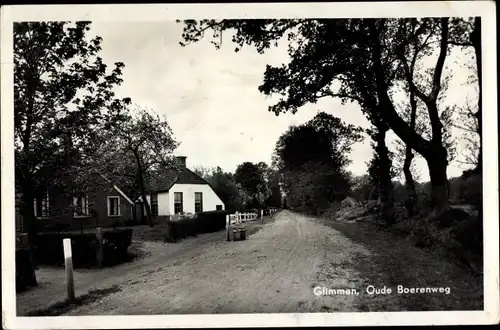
x: 164, y: 180
x: 117, y: 189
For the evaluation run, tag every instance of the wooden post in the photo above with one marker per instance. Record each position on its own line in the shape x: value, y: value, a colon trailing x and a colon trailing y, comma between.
x: 100, y: 247
x: 68, y: 264
x: 227, y: 227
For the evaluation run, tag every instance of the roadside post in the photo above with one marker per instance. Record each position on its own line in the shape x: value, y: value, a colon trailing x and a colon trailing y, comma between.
x: 68, y: 265
x: 227, y: 227
x: 262, y: 216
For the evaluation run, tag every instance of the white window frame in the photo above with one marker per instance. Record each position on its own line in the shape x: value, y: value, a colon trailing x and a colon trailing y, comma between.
x: 196, y: 202
x: 109, y: 198
x: 47, y: 207
x: 85, y: 206
x: 155, y: 214
x: 181, y: 202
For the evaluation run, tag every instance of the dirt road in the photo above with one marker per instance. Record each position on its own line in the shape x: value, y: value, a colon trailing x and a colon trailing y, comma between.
x: 275, y: 270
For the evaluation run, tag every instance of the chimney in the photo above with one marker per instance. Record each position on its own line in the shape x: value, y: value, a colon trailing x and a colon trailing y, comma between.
x: 181, y: 160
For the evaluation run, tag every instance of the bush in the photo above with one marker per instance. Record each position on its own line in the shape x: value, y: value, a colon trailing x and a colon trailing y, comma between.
x: 84, y: 247
x: 211, y: 221
x: 116, y: 244
x: 461, y: 237
x: 25, y: 270
x: 192, y: 225
x: 470, y: 191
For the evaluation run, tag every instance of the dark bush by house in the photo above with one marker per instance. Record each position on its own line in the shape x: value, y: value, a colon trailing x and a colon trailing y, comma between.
x: 84, y: 247
x: 25, y: 270
x: 116, y: 244
x: 203, y: 222
x: 211, y: 221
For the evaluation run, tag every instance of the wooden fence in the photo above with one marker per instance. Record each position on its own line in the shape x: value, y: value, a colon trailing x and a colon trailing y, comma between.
x: 238, y: 218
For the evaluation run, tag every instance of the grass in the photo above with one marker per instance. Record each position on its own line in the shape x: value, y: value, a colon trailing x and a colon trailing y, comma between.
x: 63, y: 307
x: 396, y: 261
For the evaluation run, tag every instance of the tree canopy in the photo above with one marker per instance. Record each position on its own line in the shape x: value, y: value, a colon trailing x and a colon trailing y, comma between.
x: 63, y: 98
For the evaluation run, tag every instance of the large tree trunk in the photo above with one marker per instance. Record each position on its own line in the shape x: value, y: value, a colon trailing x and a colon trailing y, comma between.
x: 438, y: 164
x: 142, y: 190
x: 433, y: 152
x: 409, y: 183
x: 385, y: 184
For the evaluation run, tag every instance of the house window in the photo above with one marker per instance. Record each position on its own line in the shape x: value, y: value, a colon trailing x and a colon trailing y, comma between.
x: 198, y: 202
x: 154, y: 204
x: 218, y: 207
x: 41, y: 207
x: 113, y: 206
x: 178, y: 202
x: 81, y: 205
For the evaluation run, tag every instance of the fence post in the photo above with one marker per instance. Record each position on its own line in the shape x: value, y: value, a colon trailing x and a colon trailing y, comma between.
x: 68, y: 265
x: 100, y: 247
x: 227, y: 227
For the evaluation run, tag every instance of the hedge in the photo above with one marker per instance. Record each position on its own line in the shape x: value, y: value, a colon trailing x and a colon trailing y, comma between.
x: 203, y: 222
x: 25, y: 270
x: 84, y: 247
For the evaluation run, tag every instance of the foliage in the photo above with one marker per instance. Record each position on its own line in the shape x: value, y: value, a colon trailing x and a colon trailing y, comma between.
x: 355, y: 60
x: 374, y: 169
x: 25, y: 270
x: 62, y: 98
x: 84, y: 247
x: 146, y: 138
x: 225, y: 186
x: 252, y: 179
x: 362, y: 187
x: 314, y: 186
x: 203, y: 222
x: 468, y: 122
x: 342, y: 136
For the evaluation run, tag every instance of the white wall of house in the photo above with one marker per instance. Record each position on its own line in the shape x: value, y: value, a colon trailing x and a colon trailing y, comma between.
x: 210, y: 199
x: 163, y: 203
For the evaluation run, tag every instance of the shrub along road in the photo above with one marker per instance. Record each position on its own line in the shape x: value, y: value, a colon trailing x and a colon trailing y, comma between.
x: 276, y: 270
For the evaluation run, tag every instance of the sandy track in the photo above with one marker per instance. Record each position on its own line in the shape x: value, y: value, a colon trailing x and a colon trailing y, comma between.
x: 273, y: 271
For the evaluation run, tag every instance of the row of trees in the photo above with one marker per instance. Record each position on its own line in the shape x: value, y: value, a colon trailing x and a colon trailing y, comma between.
x: 68, y: 122
x: 381, y: 64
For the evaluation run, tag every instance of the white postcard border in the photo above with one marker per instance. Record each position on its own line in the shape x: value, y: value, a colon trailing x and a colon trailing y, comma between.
x: 158, y: 12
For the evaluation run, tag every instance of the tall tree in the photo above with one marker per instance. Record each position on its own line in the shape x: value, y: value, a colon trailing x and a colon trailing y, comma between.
x: 147, y: 138
x: 437, y: 158
x: 352, y: 53
x: 251, y: 177
x: 342, y: 136
x: 63, y: 96
x: 226, y: 188
x: 314, y: 177
x: 294, y: 147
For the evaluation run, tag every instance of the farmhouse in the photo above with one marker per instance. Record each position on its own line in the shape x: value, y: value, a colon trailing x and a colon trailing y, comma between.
x: 102, y: 204
x: 179, y: 191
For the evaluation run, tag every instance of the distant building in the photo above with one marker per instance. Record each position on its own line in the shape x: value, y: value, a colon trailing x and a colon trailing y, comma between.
x: 178, y: 191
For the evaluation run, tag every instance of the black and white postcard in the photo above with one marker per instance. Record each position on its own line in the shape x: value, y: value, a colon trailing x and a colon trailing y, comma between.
x: 249, y: 165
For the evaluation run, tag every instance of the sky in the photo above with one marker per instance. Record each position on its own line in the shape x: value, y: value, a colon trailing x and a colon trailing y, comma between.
x: 210, y: 97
